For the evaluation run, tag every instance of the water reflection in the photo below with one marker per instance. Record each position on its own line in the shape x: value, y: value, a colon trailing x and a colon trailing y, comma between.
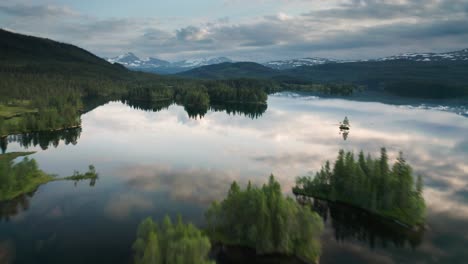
x: 350, y: 223
x: 159, y: 161
x: 250, y: 110
x: 43, y: 139
x: 147, y: 105
x: 15, y: 206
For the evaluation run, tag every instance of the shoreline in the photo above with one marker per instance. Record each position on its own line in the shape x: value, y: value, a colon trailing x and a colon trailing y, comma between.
x: 38, y: 131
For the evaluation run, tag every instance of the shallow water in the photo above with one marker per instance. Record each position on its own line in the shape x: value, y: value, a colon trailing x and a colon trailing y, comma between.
x: 157, y: 163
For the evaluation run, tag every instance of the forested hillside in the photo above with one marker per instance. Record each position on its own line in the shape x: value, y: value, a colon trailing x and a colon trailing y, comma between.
x: 407, y: 78
x: 33, y: 55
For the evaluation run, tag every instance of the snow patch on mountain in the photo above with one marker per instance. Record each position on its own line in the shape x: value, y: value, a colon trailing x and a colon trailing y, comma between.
x: 461, y: 55
x: 131, y: 61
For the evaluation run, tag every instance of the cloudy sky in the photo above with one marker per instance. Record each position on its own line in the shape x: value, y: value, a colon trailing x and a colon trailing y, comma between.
x: 257, y: 30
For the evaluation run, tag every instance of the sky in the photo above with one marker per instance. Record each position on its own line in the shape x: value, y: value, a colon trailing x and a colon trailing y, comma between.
x: 250, y: 30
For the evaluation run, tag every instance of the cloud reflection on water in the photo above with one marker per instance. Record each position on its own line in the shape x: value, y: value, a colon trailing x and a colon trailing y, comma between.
x: 292, y: 138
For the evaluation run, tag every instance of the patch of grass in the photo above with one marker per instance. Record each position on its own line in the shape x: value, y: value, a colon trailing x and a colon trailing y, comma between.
x: 33, y: 184
x: 16, y: 108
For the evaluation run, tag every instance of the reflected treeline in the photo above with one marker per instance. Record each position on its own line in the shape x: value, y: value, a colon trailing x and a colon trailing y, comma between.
x: 344, y: 134
x: 43, y: 139
x: 235, y: 254
x: 351, y: 223
x: 148, y: 105
x: 15, y: 206
x: 251, y: 110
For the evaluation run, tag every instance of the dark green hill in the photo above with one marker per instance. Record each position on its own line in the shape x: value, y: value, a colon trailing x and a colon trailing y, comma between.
x: 230, y: 70
x: 27, y: 54
x: 438, y: 79
x: 408, y: 78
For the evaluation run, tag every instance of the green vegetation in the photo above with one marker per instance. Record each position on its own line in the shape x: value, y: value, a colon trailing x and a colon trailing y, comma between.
x: 42, y: 114
x: 170, y: 243
x: 263, y: 219
x: 19, y: 178
x: 25, y: 176
x: 370, y: 184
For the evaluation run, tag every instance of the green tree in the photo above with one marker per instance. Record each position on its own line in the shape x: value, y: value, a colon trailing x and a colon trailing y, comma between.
x: 263, y: 219
x: 168, y: 243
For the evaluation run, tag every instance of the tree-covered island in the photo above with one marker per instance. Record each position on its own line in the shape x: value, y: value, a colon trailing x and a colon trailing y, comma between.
x: 371, y: 184
x: 262, y: 218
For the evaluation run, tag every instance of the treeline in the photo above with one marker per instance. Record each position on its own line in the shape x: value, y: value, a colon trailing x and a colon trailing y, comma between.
x: 370, y: 184
x: 193, y: 91
x: 263, y: 219
x: 252, y: 111
x: 170, y: 243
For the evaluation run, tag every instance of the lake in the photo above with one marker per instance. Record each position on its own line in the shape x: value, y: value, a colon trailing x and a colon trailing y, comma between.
x: 157, y: 163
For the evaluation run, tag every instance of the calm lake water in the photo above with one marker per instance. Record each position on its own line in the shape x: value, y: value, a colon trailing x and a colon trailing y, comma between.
x: 158, y: 163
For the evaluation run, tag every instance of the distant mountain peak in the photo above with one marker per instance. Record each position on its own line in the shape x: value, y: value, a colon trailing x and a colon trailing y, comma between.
x: 130, y: 60
x: 293, y: 63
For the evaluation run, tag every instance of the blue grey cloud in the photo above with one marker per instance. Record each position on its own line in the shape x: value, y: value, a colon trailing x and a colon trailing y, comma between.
x: 358, y: 28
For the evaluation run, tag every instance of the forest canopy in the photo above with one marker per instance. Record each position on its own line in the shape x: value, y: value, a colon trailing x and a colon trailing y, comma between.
x: 265, y: 220
x: 170, y: 243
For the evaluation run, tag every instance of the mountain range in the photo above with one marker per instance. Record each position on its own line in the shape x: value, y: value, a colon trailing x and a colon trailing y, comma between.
x: 155, y: 65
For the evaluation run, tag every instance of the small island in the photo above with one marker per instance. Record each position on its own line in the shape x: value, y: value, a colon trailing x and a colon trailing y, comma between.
x: 266, y: 221
x: 369, y: 184
x: 25, y: 176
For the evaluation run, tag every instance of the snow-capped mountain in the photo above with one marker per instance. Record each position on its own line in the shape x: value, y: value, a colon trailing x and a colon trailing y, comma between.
x: 293, y: 63
x: 461, y: 55
x: 200, y: 62
x: 131, y: 61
